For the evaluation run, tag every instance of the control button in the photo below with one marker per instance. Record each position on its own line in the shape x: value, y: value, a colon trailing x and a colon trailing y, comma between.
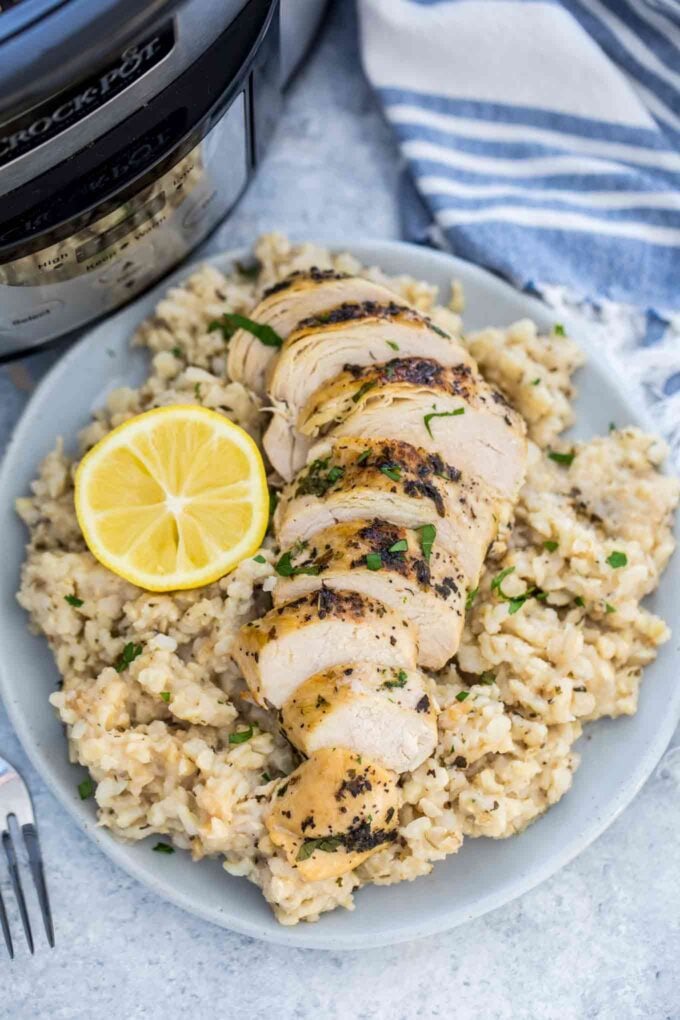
x: 133, y: 260
x: 23, y: 321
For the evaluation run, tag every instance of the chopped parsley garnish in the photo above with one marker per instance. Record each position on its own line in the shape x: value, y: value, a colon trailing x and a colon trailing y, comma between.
x: 579, y: 601
x: 617, y: 559
x: 128, y: 655
x: 285, y: 568
x: 177, y: 351
x: 550, y: 546
x: 535, y: 382
x: 251, y: 270
x: 86, y: 788
x: 561, y: 458
x: 163, y: 848
x: 363, y: 390
x: 259, y: 558
x: 487, y: 678
x: 363, y: 457
x: 197, y: 390
x: 471, y: 596
x: 515, y: 602
x: 165, y: 696
x: 329, y: 844
x: 402, y: 678
x: 392, y: 471
x: 273, y: 501
x: 317, y: 481
x: 428, y: 533
x: 498, y: 581
x: 266, y: 778
x: 438, y: 330
x: 609, y: 608
x: 462, y: 695
x: 241, y: 736
x: 398, y: 547
x: 559, y: 330
x: 73, y: 600
x: 612, y: 426
x: 230, y: 322
x: 373, y: 560
x: 392, y: 344
x: 441, y: 414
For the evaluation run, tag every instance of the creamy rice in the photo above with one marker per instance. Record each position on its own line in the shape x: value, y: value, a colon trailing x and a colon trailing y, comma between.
x: 534, y: 677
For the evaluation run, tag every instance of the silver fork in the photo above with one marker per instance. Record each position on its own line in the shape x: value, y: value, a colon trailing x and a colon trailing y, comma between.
x: 15, y: 805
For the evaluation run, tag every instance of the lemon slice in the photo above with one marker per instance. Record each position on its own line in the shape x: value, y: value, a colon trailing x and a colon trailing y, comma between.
x: 173, y: 498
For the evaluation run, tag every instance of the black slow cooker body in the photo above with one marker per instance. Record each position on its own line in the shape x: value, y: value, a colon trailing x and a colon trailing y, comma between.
x: 132, y: 136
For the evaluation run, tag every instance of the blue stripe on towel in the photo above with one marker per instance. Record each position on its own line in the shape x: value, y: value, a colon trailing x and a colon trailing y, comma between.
x: 529, y: 116
x: 540, y: 195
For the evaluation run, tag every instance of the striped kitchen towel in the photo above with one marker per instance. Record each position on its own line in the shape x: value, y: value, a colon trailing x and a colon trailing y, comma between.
x: 543, y: 136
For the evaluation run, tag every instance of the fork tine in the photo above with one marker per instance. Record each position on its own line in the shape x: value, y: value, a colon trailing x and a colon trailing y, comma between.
x: 16, y: 885
x: 4, y: 923
x: 32, y: 844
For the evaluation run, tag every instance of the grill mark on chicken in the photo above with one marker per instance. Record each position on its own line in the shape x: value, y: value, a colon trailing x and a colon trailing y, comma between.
x: 456, y: 380
x: 355, y: 785
x: 349, y: 311
x: 361, y: 837
x: 420, y: 468
x: 379, y: 536
x: 315, y: 274
x: 331, y: 603
x: 426, y: 490
x: 419, y: 371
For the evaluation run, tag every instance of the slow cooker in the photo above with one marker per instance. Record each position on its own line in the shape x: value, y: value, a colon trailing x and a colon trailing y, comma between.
x: 128, y: 130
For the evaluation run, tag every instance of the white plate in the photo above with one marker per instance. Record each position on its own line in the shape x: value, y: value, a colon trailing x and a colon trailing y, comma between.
x: 616, y: 759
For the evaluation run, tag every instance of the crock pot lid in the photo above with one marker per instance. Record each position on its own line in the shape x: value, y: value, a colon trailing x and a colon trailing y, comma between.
x: 45, y: 45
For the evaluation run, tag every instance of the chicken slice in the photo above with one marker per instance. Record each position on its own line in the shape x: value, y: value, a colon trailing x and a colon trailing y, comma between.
x: 384, y: 562
x: 351, y: 479
x: 301, y: 295
x: 333, y: 812
x: 380, y: 712
x: 356, y: 333
x: 352, y: 333
x: 451, y: 411
x: 286, y: 448
x: 281, y: 649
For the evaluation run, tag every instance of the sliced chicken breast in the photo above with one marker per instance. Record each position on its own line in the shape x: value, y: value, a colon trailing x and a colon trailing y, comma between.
x: 447, y: 410
x: 356, y: 333
x: 299, y: 296
x: 380, y: 712
x: 350, y: 479
x: 333, y: 812
x: 315, y: 631
x: 387, y: 563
